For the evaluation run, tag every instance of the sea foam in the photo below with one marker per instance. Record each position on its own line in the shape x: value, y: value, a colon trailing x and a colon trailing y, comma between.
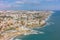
x: 18, y: 39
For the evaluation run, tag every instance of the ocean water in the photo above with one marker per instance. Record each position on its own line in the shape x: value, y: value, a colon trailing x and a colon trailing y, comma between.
x: 51, y: 31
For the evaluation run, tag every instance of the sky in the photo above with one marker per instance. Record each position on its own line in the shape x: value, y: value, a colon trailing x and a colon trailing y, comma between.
x: 29, y: 4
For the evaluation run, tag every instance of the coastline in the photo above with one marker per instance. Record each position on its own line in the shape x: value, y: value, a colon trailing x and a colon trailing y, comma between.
x: 40, y: 27
x: 24, y: 30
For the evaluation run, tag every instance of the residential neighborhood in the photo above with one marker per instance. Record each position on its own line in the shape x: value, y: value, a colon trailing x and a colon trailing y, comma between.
x: 20, y: 21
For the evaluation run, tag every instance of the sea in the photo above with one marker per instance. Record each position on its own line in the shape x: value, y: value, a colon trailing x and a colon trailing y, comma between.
x: 50, y: 31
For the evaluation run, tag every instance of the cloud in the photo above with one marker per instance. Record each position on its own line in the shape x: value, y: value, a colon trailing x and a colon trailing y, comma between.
x: 51, y: 7
x: 6, y: 4
x: 32, y: 4
x: 3, y: 5
x: 19, y: 2
x: 51, y: 0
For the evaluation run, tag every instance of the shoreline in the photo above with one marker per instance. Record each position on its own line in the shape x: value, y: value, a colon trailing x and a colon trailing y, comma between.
x: 41, y: 27
x: 23, y: 27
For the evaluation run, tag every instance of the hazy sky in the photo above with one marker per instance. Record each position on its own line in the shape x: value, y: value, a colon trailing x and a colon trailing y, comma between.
x: 29, y: 4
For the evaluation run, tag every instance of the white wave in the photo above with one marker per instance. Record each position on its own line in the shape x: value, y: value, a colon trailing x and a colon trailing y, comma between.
x: 37, y: 32
x: 52, y: 23
x: 33, y: 32
x: 52, y: 11
x: 49, y: 15
x: 18, y: 39
x: 49, y: 23
x: 26, y: 34
x: 30, y: 33
x: 41, y: 32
